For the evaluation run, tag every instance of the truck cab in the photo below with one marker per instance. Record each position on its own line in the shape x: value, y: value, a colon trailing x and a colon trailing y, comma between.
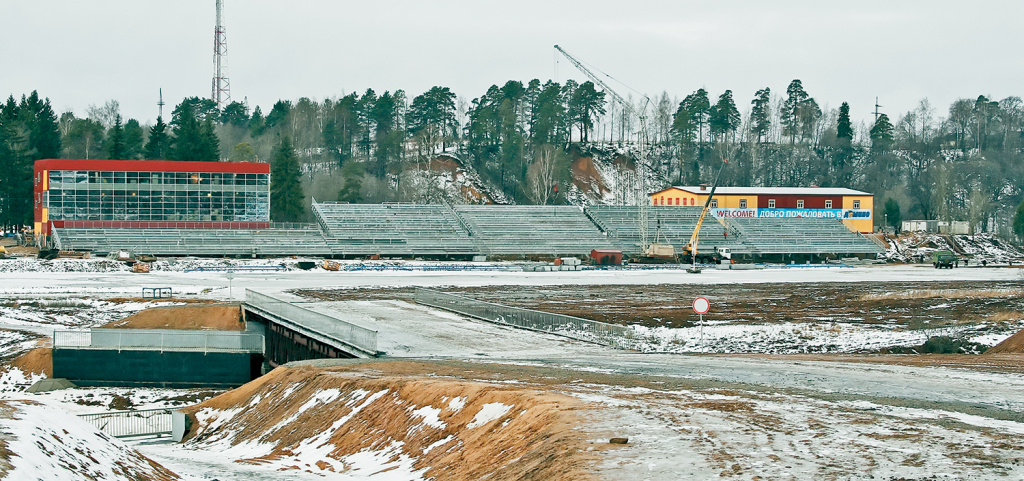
x: 945, y: 259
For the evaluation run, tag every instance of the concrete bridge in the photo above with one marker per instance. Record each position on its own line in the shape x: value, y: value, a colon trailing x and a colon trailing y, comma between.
x: 295, y: 333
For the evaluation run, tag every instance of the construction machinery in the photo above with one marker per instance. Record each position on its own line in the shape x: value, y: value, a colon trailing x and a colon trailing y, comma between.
x: 945, y: 259
x: 691, y: 247
x: 640, y: 184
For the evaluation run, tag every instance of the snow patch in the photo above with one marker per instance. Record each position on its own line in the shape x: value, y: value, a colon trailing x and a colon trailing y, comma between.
x: 489, y: 412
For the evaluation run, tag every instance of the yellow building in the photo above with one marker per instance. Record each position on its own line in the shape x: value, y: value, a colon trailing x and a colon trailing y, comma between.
x: 854, y: 207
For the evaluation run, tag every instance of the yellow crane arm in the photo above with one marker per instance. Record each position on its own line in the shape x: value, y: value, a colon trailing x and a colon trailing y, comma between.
x: 692, y: 245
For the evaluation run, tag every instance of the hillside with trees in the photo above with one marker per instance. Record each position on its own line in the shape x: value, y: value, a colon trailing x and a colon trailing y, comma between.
x: 556, y: 143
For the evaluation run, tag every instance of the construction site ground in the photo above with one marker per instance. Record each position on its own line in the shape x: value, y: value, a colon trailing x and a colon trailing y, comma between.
x: 501, y: 403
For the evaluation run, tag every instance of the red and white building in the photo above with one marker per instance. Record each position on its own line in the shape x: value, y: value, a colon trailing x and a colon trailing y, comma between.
x: 141, y: 194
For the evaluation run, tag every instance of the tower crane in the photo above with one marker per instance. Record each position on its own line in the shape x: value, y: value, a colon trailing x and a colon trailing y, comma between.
x: 641, y: 184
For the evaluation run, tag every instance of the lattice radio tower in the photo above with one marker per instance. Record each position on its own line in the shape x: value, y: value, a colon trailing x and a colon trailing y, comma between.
x: 221, y: 93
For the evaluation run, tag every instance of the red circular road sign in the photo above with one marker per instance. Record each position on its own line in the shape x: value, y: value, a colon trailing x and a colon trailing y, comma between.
x: 701, y: 305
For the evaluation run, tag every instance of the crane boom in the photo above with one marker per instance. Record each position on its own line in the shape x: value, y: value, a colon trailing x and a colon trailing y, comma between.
x: 692, y: 245
x: 641, y: 186
x: 594, y: 78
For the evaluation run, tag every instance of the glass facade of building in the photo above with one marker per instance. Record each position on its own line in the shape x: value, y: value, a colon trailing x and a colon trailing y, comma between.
x: 89, y: 195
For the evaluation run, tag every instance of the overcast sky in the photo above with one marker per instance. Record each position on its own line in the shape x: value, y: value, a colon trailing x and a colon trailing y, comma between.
x: 79, y: 53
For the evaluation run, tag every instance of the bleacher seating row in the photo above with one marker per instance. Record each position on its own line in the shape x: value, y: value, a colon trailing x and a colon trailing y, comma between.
x: 393, y: 230
x: 440, y: 231
x: 532, y: 230
x: 194, y: 242
x: 665, y: 225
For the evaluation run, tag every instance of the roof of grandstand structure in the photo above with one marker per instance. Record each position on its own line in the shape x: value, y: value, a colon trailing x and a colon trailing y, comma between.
x: 769, y: 190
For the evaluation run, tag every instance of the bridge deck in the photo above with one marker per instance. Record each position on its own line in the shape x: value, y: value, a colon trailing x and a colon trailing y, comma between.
x: 410, y: 330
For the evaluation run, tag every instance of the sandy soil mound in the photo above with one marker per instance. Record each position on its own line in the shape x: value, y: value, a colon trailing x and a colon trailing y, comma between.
x: 221, y: 317
x: 36, y: 361
x: 1013, y: 345
x: 356, y: 418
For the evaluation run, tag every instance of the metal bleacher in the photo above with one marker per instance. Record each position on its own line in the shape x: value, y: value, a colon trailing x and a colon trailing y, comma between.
x: 442, y: 231
x: 668, y: 225
x: 524, y: 230
x: 195, y: 242
x: 767, y: 236
x: 393, y: 230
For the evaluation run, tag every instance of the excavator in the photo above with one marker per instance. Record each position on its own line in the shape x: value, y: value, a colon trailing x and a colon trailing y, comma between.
x: 691, y: 247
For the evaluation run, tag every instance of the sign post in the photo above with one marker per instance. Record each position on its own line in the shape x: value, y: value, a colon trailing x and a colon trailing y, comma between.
x: 701, y: 307
x: 230, y: 275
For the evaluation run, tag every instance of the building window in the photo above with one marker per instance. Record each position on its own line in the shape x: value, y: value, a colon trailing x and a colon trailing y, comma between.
x: 692, y: 201
x: 771, y: 203
x: 828, y: 204
x: 714, y: 203
x: 856, y: 204
x: 743, y: 203
x: 800, y: 204
x: 677, y: 200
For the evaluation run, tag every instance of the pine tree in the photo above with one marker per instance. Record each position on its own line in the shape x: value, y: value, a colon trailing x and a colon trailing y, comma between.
x: 723, y: 118
x: 547, y: 118
x: 881, y: 134
x: 209, y: 150
x: 760, y: 114
x: 893, y: 215
x: 115, y: 140
x: 132, y: 139
x: 235, y: 114
x: 351, y: 191
x: 844, y: 127
x: 286, y: 195
x: 1018, y: 222
x: 158, y: 145
x: 188, y: 139
x: 795, y: 96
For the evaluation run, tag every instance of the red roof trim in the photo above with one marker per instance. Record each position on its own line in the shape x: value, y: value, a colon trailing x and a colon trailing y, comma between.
x: 152, y: 166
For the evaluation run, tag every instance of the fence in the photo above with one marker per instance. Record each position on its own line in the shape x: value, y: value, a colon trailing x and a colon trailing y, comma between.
x: 319, y: 324
x: 559, y: 324
x: 158, y: 339
x: 121, y: 424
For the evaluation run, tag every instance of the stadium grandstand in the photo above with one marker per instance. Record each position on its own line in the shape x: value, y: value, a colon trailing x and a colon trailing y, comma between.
x: 393, y: 230
x: 164, y: 208
x: 531, y: 230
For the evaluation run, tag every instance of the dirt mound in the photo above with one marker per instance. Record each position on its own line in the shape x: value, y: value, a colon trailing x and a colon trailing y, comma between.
x: 55, y: 444
x: 221, y: 317
x: 36, y: 361
x: 1012, y: 345
x: 587, y: 178
x: 402, y: 415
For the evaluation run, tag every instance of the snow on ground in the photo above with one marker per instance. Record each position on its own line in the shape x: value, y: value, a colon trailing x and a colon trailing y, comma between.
x: 45, y: 442
x: 794, y: 338
x: 699, y: 435
x: 774, y: 435
x: 919, y: 246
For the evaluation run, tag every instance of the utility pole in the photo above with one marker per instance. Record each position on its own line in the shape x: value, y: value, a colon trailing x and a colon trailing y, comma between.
x: 221, y: 92
x: 876, y: 110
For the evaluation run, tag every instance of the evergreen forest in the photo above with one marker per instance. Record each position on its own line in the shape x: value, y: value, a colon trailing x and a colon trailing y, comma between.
x: 519, y: 143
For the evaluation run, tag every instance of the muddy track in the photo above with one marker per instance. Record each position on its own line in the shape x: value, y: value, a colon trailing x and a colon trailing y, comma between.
x: 911, y: 305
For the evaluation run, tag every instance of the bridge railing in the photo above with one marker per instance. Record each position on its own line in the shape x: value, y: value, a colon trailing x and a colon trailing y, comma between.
x: 143, y: 422
x: 158, y: 339
x: 559, y: 324
x: 331, y: 327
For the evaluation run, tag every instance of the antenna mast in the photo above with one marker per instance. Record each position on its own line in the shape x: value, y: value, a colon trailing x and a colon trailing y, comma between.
x: 160, y: 105
x: 221, y: 93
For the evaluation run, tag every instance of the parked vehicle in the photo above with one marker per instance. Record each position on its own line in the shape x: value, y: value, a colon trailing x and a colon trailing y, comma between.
x: 945, y: 259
